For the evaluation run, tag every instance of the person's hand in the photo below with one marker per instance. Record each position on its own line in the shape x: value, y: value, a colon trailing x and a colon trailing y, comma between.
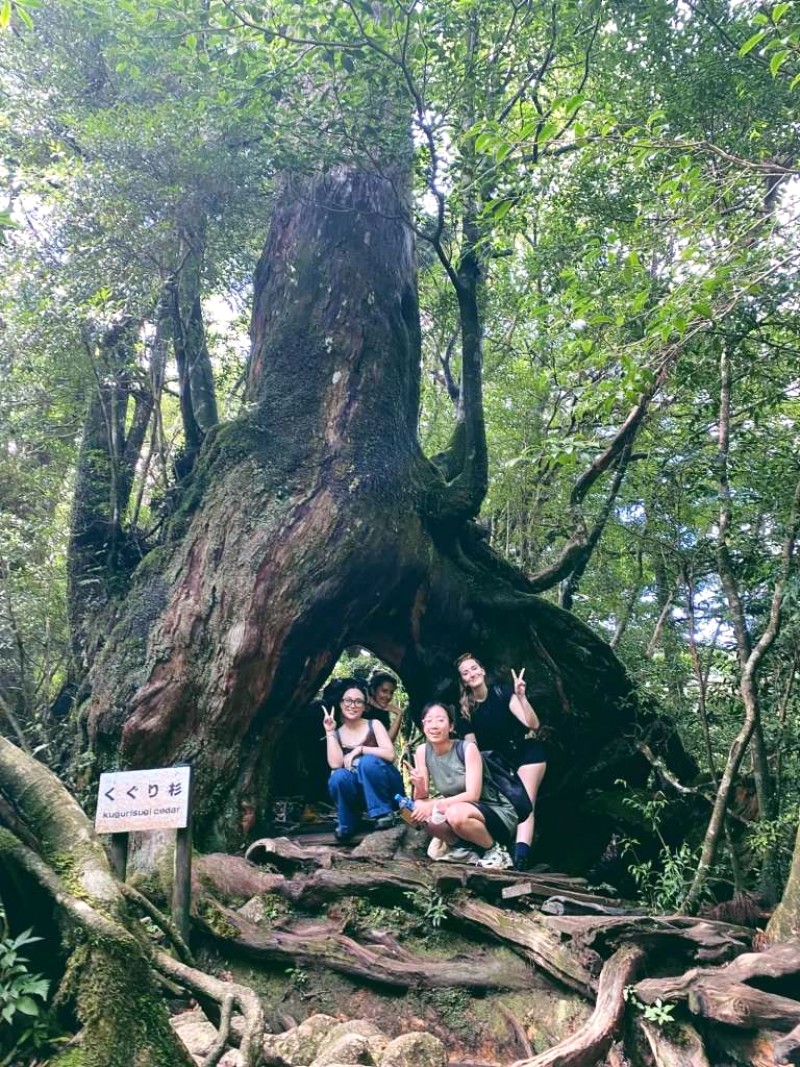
x: 417, y: 777
x: 354, y: 755
x: 422, y: 810
x: 519, y: 682
x: 328, y: 721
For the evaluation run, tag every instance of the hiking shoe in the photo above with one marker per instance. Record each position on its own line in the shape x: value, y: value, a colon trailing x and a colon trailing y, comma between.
x: 343, y: 836
x: 497, y: 858
x: 384, y: 822
x: 460, y: 854
x: 437, y: 849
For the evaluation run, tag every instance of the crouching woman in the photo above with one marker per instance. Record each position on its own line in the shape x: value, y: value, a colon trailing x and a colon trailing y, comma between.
x: 361, y: 758
x: 479, y: 821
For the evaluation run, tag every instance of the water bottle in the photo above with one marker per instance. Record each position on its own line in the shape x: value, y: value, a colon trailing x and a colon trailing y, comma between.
x: 405, y: 805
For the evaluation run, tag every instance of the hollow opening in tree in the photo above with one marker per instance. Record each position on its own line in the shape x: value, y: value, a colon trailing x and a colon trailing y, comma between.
x: 299, y: 783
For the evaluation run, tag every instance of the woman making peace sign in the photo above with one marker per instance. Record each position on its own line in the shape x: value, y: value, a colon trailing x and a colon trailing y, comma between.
x: 499, y: 718
x: 361, y: 758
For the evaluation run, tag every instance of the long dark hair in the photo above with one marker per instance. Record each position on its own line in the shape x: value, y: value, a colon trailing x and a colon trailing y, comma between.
x: 377, y: 678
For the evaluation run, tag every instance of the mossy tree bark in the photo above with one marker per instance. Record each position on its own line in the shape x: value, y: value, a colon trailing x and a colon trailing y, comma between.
x: 54, y: 873
x: 785, y: 922
x: 314, y: 522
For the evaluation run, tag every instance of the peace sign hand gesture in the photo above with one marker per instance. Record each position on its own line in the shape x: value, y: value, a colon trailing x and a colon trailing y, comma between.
x: 417, y: 777
x: 519, y: 682
x: 328, y: 720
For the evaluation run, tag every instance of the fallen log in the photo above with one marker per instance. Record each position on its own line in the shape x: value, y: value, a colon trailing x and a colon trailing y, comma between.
x: 322, y: 944
x: 593, y: 1040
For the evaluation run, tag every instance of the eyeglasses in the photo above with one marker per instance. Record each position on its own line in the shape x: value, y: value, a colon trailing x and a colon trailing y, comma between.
x: 353, y: 703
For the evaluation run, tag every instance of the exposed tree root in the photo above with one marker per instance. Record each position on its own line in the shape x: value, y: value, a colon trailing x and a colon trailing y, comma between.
x: 108, y: 975
x: 721, y: 993
x: 321, y: 944
x: 204, y: 985
x: 535, y: 941
x: 678, y: 1046
x: 45, y: 839
x: 787, y: 1049
x: 160, y: 919
x: 594, y: 1038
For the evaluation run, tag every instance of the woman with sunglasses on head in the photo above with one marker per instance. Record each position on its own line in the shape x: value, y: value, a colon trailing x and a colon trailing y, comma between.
x: 381, y: 688
x: 499, y: 718
x: 470, y: 815
x: 361, y: 757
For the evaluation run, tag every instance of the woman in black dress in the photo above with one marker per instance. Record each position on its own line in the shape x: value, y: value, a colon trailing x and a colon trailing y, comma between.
x: 500, y: 718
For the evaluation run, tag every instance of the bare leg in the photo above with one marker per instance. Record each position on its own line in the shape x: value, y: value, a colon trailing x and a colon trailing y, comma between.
x: 468, y: 823
x: 531, y: 775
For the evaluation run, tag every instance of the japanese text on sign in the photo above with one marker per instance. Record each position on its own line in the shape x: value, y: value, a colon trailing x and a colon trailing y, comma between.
x: 143, y: 800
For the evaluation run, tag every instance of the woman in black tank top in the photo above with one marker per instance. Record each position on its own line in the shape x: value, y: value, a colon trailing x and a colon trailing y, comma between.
x: 500, y: 718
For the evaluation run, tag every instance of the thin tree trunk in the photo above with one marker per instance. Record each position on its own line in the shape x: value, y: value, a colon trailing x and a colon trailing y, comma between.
x: 748, y: 683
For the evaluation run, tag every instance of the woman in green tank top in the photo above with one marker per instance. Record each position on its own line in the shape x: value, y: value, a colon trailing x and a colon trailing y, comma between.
x: 475, y: 813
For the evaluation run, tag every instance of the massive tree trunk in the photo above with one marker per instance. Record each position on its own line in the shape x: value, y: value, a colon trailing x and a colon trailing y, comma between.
x: 314, y: 522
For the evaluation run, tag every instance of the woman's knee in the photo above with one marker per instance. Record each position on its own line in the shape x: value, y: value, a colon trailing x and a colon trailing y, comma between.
x: 371, y: 764
x: 377, y: 770
x: 459, y: 814
x: 338, y: 780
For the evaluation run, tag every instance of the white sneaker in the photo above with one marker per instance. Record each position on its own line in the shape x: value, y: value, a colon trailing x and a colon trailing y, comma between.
x: 460, y: 854
x: 437, y: 848
x: 497, y: 858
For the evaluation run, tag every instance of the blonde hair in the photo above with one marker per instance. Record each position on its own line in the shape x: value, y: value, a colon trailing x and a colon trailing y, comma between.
x: 466, y: 699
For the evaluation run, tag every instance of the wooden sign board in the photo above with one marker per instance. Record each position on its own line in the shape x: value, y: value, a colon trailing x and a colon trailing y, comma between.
x: 143, y: 800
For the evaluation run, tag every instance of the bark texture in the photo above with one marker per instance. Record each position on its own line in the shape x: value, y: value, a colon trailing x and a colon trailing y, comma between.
x: 313, y: 523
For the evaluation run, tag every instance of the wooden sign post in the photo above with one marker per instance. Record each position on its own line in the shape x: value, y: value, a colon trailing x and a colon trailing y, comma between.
x: 158, y: 799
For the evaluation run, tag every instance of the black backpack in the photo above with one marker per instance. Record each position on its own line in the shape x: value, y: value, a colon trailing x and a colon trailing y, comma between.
x: 506, y: 779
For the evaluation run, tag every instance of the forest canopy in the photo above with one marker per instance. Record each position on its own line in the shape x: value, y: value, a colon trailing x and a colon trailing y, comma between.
x: 602, y: 199
x: 346, y: 328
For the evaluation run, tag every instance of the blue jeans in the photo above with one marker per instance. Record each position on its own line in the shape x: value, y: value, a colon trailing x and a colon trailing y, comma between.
x: 372, y: 785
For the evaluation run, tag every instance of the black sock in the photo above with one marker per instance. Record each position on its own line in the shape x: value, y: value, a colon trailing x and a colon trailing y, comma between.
x: 521, y: 852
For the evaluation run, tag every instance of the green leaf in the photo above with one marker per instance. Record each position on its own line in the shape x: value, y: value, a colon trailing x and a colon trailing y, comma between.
x: 778, y: 12
x: 501, y: 209
x: 751, y: 43
x: 778, y: 60
x: 5, y: 14
x: 28, y: 1006
x: 547, y: 132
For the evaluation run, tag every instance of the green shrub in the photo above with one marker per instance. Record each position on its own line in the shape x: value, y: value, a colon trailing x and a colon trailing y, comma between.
x: 24, y: 1023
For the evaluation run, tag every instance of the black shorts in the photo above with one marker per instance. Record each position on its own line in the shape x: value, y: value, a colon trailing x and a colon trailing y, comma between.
x: 528, y: 751
x: 494, y: 824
